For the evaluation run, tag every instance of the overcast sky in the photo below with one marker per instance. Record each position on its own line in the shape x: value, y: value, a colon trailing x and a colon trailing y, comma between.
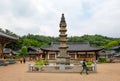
x: 43, y: 16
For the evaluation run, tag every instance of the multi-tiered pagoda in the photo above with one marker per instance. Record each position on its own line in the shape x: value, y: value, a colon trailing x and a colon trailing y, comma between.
x: 63, y: 57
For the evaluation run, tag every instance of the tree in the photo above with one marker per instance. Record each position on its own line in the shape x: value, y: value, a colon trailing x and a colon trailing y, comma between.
x: 40, y: 40
x: 111, y: 44
x: 8, y: 32
x: 24, y: 52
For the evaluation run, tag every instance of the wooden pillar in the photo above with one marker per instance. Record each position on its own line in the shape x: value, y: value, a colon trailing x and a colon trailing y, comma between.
x: 96, y: 55
x: 55, y: 54
x: 45, y: 54
x: 48, y: 56
x: 1, y: 50
x: 86, y: 56
x: 75, y: 55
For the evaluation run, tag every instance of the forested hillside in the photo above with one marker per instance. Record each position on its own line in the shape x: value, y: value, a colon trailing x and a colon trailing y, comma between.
x: 40, y: 40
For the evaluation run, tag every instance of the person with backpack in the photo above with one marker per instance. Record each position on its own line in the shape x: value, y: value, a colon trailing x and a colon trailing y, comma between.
x: 84, y: 67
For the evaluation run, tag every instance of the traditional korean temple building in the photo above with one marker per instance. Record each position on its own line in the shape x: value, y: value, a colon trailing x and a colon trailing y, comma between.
x: 76, y: 51
x: 116, y: 48
x: 5, y: 39
x: 106, y: 54
x: 9, y: 53
x: 34, y: 53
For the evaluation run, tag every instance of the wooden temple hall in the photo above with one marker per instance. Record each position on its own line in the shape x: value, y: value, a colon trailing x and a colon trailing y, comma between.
x: 5, y: 39
x: 76, y: 51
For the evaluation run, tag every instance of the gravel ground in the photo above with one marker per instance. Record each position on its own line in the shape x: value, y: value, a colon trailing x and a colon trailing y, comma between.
x: 18, y: 72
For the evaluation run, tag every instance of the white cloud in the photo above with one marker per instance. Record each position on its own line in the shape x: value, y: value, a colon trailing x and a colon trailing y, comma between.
x: 43, y: 16
x: 104, y: 19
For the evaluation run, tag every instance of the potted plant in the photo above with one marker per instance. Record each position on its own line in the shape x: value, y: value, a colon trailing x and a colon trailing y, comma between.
x: 89, y: 66
x: 38, y: 64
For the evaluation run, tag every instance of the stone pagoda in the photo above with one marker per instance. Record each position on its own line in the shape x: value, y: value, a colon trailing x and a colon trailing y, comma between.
x: 63, y: 58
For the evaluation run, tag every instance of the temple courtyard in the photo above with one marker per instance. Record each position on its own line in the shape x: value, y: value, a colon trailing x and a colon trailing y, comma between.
x: 19, y: 72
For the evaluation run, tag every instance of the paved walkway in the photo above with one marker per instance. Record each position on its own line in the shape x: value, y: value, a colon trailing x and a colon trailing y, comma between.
x: 18, y: 72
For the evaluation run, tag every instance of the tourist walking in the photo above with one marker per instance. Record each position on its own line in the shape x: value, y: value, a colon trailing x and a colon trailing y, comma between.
x: 24, y: 60
x: 21, y: 60
x: 84, y: 67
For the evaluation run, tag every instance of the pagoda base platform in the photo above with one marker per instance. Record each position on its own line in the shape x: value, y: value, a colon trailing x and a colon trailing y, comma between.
x: 63, y: 59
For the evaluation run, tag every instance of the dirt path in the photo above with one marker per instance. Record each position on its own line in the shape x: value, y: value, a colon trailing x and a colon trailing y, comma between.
x: 18, y: 72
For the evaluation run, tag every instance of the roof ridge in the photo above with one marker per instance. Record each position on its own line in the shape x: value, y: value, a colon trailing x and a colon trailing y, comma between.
x: 71, y: 43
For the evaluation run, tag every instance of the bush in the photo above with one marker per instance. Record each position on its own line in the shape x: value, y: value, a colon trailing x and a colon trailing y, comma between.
x: 39, y: 63
x: 89, y: 63
x: 45, y: 61
x: 102, y: 60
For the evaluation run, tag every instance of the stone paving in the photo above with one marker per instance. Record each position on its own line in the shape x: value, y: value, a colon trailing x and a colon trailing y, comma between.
x: 19, y: 72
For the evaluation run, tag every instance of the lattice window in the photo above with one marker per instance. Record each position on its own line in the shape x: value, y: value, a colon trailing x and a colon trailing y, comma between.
x: 51, y: 56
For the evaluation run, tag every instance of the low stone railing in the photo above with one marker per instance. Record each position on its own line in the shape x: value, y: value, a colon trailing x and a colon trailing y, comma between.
x: 59, y: 68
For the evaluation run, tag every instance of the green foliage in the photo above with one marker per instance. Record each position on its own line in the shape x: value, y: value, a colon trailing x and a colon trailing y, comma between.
x: 40, y: 40
x: 111, y: 44
x: 94, y: 40
x: 45, y: 61
x: 89, y: 63
x: 39, y: 63
x: 24, y: 52
x: 102, y: 60
x: 17, y: 55
x: 16, y: 45
x: 31, y: 42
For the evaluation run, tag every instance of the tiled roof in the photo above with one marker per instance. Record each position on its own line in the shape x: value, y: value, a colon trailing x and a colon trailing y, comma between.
x: 115, y: 47
x: 33, y: 50
x: 105, y: 52
x: 8, y: 50
x: 117, y: 55
x: 8, y: 36
x: 73, y: 46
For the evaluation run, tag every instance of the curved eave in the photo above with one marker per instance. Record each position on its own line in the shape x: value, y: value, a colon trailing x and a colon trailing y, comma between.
x: 84, y: 50
x: 34, y: 53
x: 57, y: 50
x: 8, y: 36
x: 48, y: 49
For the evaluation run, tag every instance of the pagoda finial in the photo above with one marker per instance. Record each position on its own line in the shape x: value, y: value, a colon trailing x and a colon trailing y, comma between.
x: 62, y: 18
